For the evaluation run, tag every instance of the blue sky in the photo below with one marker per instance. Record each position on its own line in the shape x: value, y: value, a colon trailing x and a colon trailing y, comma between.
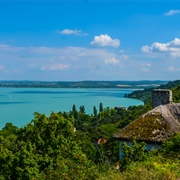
x: 74, y: 40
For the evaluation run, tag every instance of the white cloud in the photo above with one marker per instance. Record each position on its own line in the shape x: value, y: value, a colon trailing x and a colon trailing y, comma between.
x: 111, y: 61
x: 54, y: 67
x: 175, y: 42
x: 172, y: 48
x: 173, y: 69
x: 146, y: 68
x: 105, y: 40
x: 172, y: 12
x: 68, y: 62
x: 148, y: 65
x: 79, y: 63
x: 42, y: 50
x: 1, y: 67
x: 32, y: 65
x: 4, y: 47
x: 74, y: 32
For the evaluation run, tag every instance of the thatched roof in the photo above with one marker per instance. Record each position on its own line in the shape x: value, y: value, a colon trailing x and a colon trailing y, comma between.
x: 157, y: 125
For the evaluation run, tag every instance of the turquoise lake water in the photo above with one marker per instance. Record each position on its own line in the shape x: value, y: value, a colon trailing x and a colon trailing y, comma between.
x: 17, y: 105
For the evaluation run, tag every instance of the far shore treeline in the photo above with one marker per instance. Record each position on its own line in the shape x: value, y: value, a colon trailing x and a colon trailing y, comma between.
x: 82, y: 84
x: 76, y: 145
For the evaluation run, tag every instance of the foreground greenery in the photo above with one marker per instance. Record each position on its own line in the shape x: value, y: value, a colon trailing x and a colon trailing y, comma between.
x: 160, y: 164
x: 44, y: 149
x: 75, y: 145
x: 50, y: 148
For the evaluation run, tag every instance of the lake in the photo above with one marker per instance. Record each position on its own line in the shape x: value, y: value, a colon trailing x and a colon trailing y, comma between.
x: 17, y: 105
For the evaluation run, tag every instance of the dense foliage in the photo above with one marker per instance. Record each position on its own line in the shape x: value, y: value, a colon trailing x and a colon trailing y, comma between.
x: 160, y: 164
x: 176, y: 94
x: 65, y: 145
x: 46, y: 148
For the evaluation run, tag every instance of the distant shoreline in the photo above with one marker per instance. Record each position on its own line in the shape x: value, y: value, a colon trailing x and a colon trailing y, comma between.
x: 82, y: 84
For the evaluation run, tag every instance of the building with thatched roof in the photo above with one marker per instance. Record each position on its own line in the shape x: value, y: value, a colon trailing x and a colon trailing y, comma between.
x: 154, y: 127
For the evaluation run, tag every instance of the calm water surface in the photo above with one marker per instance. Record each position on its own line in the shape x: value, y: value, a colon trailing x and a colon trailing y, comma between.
x: 17, y: 105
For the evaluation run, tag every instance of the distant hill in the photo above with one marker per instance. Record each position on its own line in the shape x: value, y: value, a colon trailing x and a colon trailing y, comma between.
x: 145, y: 95
x: 82, y: 84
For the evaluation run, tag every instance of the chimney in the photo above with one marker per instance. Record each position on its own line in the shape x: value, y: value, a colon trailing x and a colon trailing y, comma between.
x: 161, y: 97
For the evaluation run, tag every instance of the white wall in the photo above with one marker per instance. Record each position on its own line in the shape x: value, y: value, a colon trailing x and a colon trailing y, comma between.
x: 149, y: 146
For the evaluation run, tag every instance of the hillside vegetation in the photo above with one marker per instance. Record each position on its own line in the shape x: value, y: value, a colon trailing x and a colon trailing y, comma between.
x: 176, y: 94
x: 145, y: 95
x: 75, y: 145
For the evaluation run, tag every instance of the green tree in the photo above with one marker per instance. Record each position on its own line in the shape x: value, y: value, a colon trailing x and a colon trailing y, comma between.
x: 82, y: 109
x: 100, y: 107
x: 176, y: 94
x: 46, y: 148
x: 25, y: 165
x: 94, y: 111
x: 133, y: 153
x: 74, y: 112
x: 74, y: 108
x: 172, y: 144
x: 6, y: 158
x: 9, y: 131
x: 86, y: 144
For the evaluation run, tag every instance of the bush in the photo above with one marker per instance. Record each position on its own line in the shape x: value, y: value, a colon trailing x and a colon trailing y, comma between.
x: 132, y: 154
x: 172, y: 144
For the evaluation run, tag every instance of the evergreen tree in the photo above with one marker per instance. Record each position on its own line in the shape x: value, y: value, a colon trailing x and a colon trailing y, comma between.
x: 82, y: 110
x: 74, y: 112
x: 95, y: 111
x: 100, y: 107
x: 74, y: 108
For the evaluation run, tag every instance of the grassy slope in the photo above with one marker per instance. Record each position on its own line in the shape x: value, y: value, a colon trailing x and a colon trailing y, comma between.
x: 161, y: 164
x: 157, y: 168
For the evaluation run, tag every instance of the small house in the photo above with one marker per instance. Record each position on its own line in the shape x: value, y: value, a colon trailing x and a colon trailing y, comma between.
x: 154, y: 127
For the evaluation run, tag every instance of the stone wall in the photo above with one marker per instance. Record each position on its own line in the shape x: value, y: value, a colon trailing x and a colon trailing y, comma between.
x: 161, y: 97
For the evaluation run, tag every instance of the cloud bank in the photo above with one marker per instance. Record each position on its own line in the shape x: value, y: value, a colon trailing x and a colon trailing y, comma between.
x: 80, y: 63
x: 62, y: 63
x: 172, y: 48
